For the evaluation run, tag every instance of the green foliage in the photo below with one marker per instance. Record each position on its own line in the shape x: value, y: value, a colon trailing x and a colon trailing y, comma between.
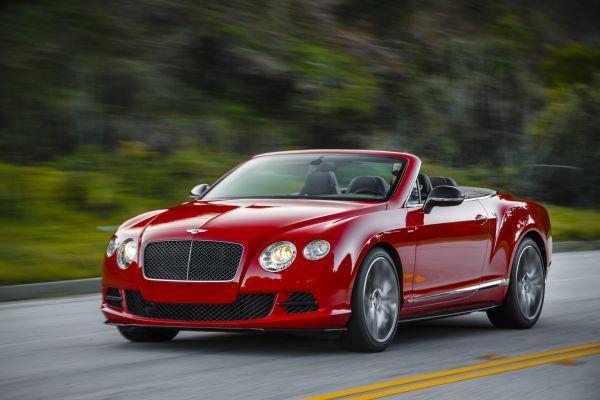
x: 565, y: 139
x: 572, y: 63
x: 114, y: 107
x: 340, y: 83
x: 574, y: 224
x: 50, y: 213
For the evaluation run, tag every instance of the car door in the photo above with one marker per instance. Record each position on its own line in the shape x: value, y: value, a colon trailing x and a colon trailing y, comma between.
x: 451, y: 244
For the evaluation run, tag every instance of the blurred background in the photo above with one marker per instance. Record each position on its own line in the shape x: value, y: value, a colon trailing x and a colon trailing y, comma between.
x: 111, y: 108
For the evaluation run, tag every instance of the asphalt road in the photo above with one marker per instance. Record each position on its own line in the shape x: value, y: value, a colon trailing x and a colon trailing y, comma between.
x: 59, y: 349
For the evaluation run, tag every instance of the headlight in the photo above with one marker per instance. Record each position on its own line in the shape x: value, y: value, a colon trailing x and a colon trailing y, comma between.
x: 127, y: 253
x: 316, y: 249
x: 277, y: 256
x: 112, y: 246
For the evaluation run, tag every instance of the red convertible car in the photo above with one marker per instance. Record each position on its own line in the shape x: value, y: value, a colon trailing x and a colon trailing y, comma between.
x: 355, y: 241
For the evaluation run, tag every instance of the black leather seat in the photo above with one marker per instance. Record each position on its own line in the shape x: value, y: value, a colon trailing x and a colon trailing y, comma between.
x: 424, y: 185
x: 368, y: 185
x: 442, y: 180
x: 320, y: 183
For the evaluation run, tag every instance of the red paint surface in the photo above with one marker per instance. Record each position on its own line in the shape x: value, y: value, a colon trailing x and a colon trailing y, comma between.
x: 449, y: 248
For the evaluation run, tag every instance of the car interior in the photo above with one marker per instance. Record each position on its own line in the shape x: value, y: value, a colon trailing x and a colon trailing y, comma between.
x: 322, y: 181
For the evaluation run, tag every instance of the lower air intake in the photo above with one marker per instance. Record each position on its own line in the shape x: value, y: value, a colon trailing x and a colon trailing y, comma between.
x: 249, y: 306
x: 113, y: 298
x: 301, y: 302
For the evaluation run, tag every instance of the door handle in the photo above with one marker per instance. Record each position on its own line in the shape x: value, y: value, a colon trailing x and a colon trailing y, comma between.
x: 481, y: 218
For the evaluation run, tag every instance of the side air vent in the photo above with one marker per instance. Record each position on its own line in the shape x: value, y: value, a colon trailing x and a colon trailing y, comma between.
x: 113, y: 298
x: 300, y: 302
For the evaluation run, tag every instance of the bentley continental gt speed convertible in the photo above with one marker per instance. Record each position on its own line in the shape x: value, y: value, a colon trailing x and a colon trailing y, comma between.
x: 355, y: 241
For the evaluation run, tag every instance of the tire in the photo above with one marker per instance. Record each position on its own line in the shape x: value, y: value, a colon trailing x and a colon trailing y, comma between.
x: 143, y: 334
x: 375, y: 305
x: 527, y: 286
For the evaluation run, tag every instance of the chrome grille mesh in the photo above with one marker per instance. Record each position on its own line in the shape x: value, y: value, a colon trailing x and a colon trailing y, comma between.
x: 249, y: 306
x: 192, y: 260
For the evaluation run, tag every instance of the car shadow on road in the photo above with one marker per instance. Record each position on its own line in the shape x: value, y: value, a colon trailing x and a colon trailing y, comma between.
x: 447, y: 328
x: 275, y: 343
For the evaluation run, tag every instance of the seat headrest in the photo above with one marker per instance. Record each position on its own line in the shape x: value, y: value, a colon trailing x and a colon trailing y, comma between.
x: 442, y: 180
x: 425, y: 184
x: 319, y: 183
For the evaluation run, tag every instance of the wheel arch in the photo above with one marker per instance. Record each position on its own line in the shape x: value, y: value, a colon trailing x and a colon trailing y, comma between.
x: 529, y: 233
x: 513, y: 220
x: 537, y: 238
x: 388, y: 248
x: 391, y: 251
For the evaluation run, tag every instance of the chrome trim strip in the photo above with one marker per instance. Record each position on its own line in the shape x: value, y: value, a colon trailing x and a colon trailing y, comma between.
x: 470, y: 288
x: 486, y: 196
x: 141, y: 263
x: 445, y: 199
x: 495, y: 283
x: 187, y: 269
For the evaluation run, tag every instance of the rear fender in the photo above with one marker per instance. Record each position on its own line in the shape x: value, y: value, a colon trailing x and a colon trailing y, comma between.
x: 511, y: 221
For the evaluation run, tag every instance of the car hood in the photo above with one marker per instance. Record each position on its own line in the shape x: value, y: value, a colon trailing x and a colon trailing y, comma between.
x: 248, y: 219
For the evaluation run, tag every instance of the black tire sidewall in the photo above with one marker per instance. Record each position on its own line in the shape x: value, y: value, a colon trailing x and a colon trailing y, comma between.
x: 512, y: 296
x: 357, y: 326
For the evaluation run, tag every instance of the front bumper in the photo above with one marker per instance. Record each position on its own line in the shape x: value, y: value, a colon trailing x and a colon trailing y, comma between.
x: 328, y: 280
x: 277, y: 319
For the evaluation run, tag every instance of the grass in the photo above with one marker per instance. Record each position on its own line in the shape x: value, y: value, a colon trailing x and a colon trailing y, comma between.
x: 50, y: 214
x: 574, y: 224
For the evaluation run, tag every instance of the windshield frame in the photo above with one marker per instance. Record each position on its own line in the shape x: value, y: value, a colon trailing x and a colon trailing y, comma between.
x: 391, y: 193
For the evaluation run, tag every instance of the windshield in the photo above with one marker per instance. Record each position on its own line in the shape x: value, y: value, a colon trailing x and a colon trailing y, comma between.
x: 317, y: 176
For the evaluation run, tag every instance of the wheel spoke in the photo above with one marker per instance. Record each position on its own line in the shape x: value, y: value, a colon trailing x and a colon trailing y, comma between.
x: 372, y: 320
x: 379, y: 320
x: 530, y: 282
x: 380, y: 299
x: 385, y: 290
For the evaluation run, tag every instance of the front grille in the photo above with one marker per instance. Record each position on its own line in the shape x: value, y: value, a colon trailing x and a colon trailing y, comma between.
x: 249, y: 306
x: 192, y: 260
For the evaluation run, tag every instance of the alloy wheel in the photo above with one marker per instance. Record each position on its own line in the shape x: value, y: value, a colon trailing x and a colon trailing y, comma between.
x: 380, y: 300
x: 530, y: 282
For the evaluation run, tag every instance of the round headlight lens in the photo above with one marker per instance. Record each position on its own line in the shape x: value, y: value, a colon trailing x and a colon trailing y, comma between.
x: 112, y: 246
x: 316, y: 249
x: 277, y: 256
x: 127, y: 253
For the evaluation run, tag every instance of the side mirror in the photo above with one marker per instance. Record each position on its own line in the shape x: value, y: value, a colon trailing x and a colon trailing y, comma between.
x: 443, y: 196
x: 198, y: 191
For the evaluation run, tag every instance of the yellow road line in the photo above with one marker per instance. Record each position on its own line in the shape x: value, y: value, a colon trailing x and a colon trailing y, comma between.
x: 455, y: 371
x: 473, y: 375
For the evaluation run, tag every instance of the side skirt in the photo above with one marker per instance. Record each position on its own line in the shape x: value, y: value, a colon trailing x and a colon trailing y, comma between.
x: 452, y: 312
x: 472, y: 289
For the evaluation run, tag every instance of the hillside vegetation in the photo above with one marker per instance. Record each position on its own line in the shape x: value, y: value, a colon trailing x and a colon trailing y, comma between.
x: 111, y: 108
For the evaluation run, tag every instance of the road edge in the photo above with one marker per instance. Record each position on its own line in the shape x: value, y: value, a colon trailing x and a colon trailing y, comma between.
x: 92, y: 285
x: 49, y: 289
